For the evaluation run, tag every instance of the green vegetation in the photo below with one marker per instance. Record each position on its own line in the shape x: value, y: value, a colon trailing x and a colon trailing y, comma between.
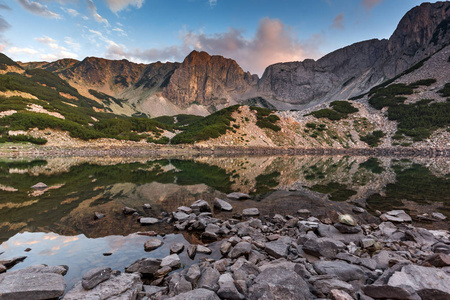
x: 424, y: 82
x: 445, y: 91
x: 163, y: 140
x: 373, y: 139
x: 182, y: 120
x: 373, y: 165
x: 266, y: 182
x: 106, y: 98
x: 258, y: 101
x: 5, y: 61
x: 21, y: 138
x: 337, y: 191
x: 389, y: 96
x: 340, y: 110
x: 211, y: 126
x: 265, y: 118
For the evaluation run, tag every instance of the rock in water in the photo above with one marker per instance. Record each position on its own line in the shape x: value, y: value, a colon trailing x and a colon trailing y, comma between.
x: 152, y: 244
x: 191, y: 251
x: 347, y: 220
x: 39, y: 186
x: 172, y: 261
x: 238, y: 196
x: 222, y: 204
x: 145, y: 266
x: 95, y: 276
x: 177, y: 248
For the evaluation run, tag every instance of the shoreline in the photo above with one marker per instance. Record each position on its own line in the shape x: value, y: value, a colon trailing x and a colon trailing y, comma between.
x: 17, y: 150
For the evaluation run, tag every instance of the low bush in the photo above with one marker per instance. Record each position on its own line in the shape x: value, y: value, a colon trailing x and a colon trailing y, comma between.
x: 445, y: 92
x: 327, y: 113
x: 343, y: 107
x: 373, y: 139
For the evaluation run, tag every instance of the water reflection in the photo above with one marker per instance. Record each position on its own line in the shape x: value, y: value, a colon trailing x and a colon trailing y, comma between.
x: 78, y: 187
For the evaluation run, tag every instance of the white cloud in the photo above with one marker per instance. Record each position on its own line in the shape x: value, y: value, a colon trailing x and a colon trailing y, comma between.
x: 38, y: 9
x: 72, y: 12
x: 109, y: 42
x: 17, y: 50
x: 120, y: 31
x: 72, y: 44
x: 212, y: 2
x: 56, y: 51
x: 118, y: 5
x: 94, y: 13
x: 273, y: 42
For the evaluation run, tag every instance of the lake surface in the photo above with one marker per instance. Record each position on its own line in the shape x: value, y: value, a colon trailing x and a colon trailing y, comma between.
x: 58, y: 223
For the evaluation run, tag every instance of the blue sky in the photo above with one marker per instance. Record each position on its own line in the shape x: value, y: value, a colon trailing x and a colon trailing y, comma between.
x: 256, y: 33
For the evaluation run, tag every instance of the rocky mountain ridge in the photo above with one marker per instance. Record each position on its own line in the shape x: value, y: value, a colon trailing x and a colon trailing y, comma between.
x: 202, y: 83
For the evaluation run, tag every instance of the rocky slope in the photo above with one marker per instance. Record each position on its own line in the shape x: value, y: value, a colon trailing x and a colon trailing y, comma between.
x: 355, y: 69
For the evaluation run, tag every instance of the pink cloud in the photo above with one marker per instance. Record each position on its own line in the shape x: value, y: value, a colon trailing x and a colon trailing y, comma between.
x: 369, y: 4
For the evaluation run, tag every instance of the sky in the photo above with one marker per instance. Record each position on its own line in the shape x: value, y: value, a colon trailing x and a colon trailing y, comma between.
x: 256, y: 33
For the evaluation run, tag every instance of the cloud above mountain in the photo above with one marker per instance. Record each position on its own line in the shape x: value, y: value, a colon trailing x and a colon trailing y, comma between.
x: 273, y: 42
x: 38, y: 9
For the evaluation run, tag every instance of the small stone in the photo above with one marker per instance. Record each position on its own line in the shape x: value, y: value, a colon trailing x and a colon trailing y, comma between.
x: 98, y: 216
x: 177, y: 248
x: 147, y: 206
x: 185, y: 209
x: 303, y: 211
x: 95, y: 276
x: 193, y: 274
x: 222, y: 204
x: 347, y: 220
x: 238, y: 196
x: 346, y: 228
x: 250, y: 212
x: 358, y: 210
x: 39, y: 186
x: 340, y: 295
x: 27, y: 250
x: 225, y: 247
x: 2, y: 269
x: 152, y: 244
x: 128, y: 210
x: 366, y: 243
x: 221, y: 265
x: 163, y: 271
x: 210, y: 236
x: 148, y: 221
x: 180, y: 216
x: 277, y: 249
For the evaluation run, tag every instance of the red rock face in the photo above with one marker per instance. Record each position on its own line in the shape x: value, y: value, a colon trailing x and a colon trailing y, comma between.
x: 206, y: 80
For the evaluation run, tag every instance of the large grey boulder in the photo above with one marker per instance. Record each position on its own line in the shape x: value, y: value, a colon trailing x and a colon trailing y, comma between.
x: 145, y: 266
x: 95, y: 276
x: 227, y: 289
x: 323, y: 247
x: 123, y: 286
x: 242, y: 248
x: 331, y: 232
x: 278, y: 283
x: 152, y: 244
x: 197, y: 294
x: 178, y: 284
x: 27, y: 284
x: 342, y: 270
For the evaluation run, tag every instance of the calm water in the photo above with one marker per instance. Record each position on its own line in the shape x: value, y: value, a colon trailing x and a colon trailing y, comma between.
x: 58, y: 224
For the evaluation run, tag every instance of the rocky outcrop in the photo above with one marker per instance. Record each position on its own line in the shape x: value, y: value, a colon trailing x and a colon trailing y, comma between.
x: 355, y: 69
x: 207, y: 80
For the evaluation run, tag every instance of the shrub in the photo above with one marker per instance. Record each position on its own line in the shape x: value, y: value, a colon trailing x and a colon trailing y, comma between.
x: 23, y: 138
x: 311, y: 125
x: 343, y: 107
x: 373, y: 139
x: 327, y: 113
x: 425, y: 82
x: 445, y: 91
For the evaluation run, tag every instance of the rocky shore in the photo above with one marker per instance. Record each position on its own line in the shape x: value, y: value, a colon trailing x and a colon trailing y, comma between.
x: 250, y: 256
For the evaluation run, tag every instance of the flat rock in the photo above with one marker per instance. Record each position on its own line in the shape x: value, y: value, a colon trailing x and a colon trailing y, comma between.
x: 203, y: 249
x: 201, y: 205
x: 148, y: 221
x: 330, y: 231
x: 342, y: 270
x: 197, y: 294
x: 123, y: 286
x: 180, y: 216
x: 152, y: 244
x: 222, y: 204
x: 248, y: 212
x: 323, y: 247
x: 145, y: 266
x: 151, y: 290
x: 185, y: 209
x: 31, y: 286
x: 398, y: 216
x: 39, y: 186
x: 347, y: 228
x: 277, y: 249
x: 438, y: 216
x: 238, y: 196
x: 95, y: 276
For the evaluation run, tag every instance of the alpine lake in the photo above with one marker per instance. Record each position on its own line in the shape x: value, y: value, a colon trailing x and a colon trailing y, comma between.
x: 56, y: 225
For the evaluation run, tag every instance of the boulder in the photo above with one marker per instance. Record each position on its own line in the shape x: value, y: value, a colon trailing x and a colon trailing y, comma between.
x: 185, y: 209
x: 278, y: 283
x: 172, y: 261
x: 238, y: 196
x: 331, y: 232
x: 178, y: 284
x: 209, y: 279
x: 98, y: 216
x: 398, y: 216
x: 438, y: 260
x: 193, y: 274
x: 180, y: 216
x: 248, y: 212
x: 39, y: 186
x: 201, y: 206
x: 347, y: 228
x: 323, y: 247
x: 148, y: 221
x: 438, y: 216
x: 191, y: 251
x: 177, y: 248
x: 242, y: 248
x: 95, y: 276
x: 222, y: 204
x: 152, y: 244
x: 32, y: 283
x: 227, y: 289
x: 145, y: 266
x: 277, y: 248
x: 203, y: 249
x: 342, y: 270
x: 324, y: 286
x: 123, y: 286
x: 197, y: 294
